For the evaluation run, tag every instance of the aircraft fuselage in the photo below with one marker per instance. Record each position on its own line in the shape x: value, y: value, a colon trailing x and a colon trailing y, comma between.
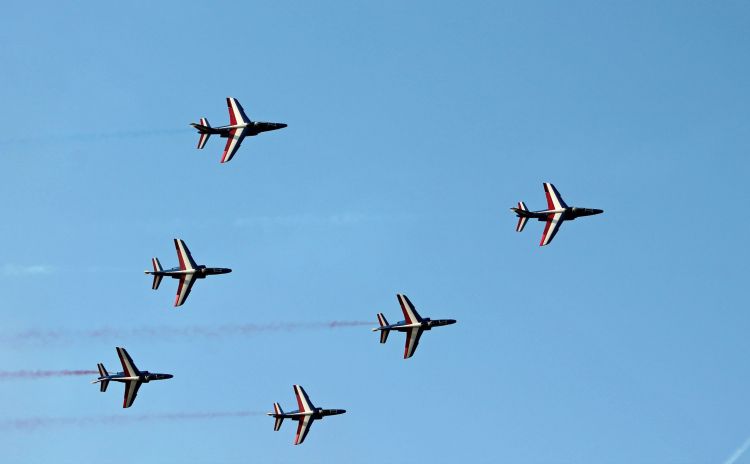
x: 251, y: 128
x: 199, y: 272
x: 317, y: 413
x: 568, y: 214
x: 425, y: 324
x: 143, y: 376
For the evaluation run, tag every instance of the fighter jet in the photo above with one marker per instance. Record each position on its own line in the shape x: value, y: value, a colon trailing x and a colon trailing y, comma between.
x: 130, y: 376
x: 187, y: 272
x: 240, y: 126
x: 412, y: 324
x: 305, y: 415
x: 557, y: 211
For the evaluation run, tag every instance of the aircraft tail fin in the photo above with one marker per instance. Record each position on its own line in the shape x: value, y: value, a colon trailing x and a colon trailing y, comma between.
x: 383, y: 332
x: 157, y: 277
x: 522, y: 219
x: 204, y: 129
x: 103, y: 373
x: 278, y: 411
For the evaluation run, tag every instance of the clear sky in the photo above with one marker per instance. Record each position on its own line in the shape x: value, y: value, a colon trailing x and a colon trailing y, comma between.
x: 413, y: 127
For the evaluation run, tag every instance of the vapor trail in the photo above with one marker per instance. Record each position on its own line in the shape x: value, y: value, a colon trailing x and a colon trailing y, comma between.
x: 35, y: 336
x: 8, y: 375
x: 34, y: 423
x: 738, y: 452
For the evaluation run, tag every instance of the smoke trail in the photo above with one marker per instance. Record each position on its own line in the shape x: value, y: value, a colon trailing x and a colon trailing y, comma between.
x: 34, y: 423
x: 738, y: 452
x: 83, y: 136
x: 35, y: 336
x: 9, y: 375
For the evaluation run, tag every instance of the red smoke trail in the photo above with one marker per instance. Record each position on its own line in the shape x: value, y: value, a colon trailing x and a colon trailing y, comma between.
x: 47, y: 336
x: 7, y: 375
x: 33, y: 423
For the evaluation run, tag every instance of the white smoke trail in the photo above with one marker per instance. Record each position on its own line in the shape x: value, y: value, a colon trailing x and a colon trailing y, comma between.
x: 34, y: 423
x: 738, y: 452
x: 10, y: 375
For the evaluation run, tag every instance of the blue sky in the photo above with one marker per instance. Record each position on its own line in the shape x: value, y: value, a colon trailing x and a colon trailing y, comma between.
x: 413, y: 127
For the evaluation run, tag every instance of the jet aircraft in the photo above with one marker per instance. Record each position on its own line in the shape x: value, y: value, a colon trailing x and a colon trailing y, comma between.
x: 556, y: 213
x: 188, y: 272
x: 412, y: 324
x: 240, y: 126
x: 130, y: 376
x: 305, y: 415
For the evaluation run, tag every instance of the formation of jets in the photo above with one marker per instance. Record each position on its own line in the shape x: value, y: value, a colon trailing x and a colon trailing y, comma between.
x: 413, y: 325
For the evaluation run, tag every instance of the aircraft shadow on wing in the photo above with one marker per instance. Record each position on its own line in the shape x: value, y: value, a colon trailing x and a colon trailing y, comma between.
x: 240, y: 126
x: 556, y: 213
x: 187, y: 273
x: 413, y: 325
x: 304, y: 415
x: 130, y: 376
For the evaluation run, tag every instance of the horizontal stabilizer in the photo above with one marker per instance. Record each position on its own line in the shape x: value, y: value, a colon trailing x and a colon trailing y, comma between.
x: 103, y: 377
x: 204, y: 128
x: 157, y: 268
x: 278, y: 412
x: 521, y: 223
x: 383, y: 323
x: 522, y: 218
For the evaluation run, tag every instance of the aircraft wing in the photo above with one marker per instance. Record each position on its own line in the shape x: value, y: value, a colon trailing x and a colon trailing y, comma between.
x: 183, y: 289
x: 302, y: 428
x: 411, y: 315
x: 235, y: 138
x: 412, y: 340
x: 554, y: 199
x: 128, y: 366
x: 236, y: 112
x: 551, y: 227
x: 303, y: 401
x: 183, y: 255
x: 131, y: 391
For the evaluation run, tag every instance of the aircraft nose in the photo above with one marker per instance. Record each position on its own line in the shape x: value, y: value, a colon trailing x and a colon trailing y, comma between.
x: 598, y: 211
x: 168, y: 376
x: 451, y: 321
